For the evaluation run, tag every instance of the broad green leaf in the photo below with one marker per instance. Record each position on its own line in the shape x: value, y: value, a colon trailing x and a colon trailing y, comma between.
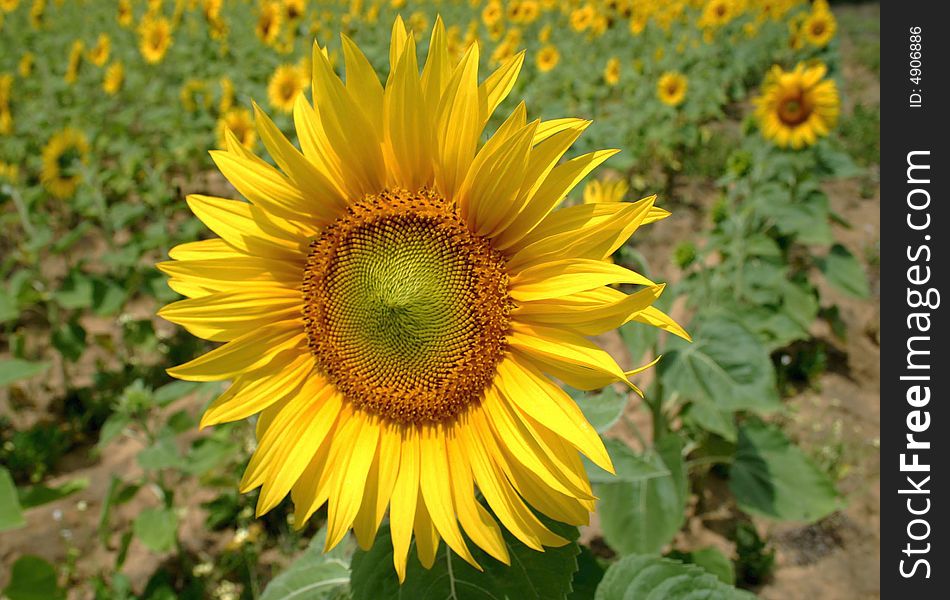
x: 602, y: 409
x: 532, y: 575
x: 173, y: 391
x: 588, y: 576
x: 644, y: 513
x: 75, y: 292
x: 163, y: 454
x: 639, y: 577
x: 630, y: 467
x: 773, y: 478
x: 70, y: 340
x: 844, y: 272
x: 710, y: 559
x: 38, y: 494
x: 15, y: 369
x: 11, y: 514
x: 712, y: 419
x: 725, y: 366
x: 312, y: 576
x: 32, y: 578
x: 156, y: 528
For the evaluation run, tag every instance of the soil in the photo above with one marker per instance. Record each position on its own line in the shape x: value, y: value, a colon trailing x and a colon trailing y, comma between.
x: 838, y: 419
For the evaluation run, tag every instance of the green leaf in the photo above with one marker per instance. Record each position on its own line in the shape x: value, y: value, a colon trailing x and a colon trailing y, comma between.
x: 32, y: 578
x: 773, y: 478
x: 725, y: 366
x: 75, y: 292
x: 588, y: 576
x: 653, y: 578
x: 163, y: 454
x: 602, y: 409
x: 15, y: 369
x: 844, y: 272
x: 156, y: 528
x: 630, y: 467
x: 712, y: 419
x: 11, y: 514
x: 312, y: 576
x: 168, y: 393
x: 710, y: 559
x: 38, y: 494
x: 532, y: 575
x: 70, y: 340
x: 108, y: 297
x: 642, y: 514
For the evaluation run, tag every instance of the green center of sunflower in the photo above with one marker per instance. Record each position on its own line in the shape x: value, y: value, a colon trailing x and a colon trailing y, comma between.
x: 406, y: 309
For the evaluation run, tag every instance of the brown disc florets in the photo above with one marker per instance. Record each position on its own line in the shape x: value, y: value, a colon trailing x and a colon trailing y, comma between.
x: 406, y: 309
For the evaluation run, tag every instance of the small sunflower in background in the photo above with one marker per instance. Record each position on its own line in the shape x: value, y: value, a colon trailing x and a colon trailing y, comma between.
x: 25, y: 66
x: 547, y: 58
x: 612, y: 71
x: 610, y: 189
x: 63, y: 157
x: 284, y: 86
x: 194, y: 94
x: 819, y: 28
x: 294, y: 9
x: 8, y: 6
x: 113, y: 79
x: 797, y: 107
x: 38, y: 14
x: 492, y: 13
x: 239, y: 123
x: 269, y: 21
x: 155, y: 36
x: 99, y: 54
x: 74, y: 62
x: 671, y: 88
x: 9, y: 173
x: 583, y: 17
x: 396, y: 297
x: 717, y: 13
x: 124, y: 13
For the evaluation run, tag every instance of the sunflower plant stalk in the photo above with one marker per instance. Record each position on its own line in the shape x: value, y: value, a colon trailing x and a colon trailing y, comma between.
x: 396, y: 299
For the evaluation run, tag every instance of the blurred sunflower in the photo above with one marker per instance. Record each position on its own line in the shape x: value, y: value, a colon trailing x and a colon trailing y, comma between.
x: 62, y: 156
x: 112, y: 82
x: 605, y: 190
x: 797, y: 107
x: 547, y: 58
x: 38, y: 14
x: 74, y: 62
x: 9, y: 5
x: 194, y: 94
x: 25, y: 67
x: 238, y: 122
x: 99, y: 54
x: 671, y: 88
x: 227, y: 95
x: 124, y: 13
x: 269, y: 21
x: 294, y: 9
x: 9, y: 172
x: 283, y: 87
x: 396, y: 297
x: 6, y: 120
x: 492, y: 13
x: 155, y: 36
x: 582, y: 18
x: 819, y: 27
x: 717, y: 13
x: 612, y: 71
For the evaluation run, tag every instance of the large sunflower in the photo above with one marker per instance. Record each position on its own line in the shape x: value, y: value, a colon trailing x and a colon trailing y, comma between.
x: 395, y: 298
x: 798, y: 106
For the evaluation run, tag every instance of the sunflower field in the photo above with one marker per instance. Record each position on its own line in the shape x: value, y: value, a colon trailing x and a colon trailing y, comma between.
x: 467, y: 299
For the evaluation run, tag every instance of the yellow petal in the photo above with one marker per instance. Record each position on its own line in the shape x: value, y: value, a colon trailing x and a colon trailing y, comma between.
x: 262, y: 185
x: 379, y: 488
x: 589, y: 320
x: 458, y: 126
x: 436, y: 490
x: 563, y: 277
x: 229, y: 315
x: 402, y: 508
x: 498, y: 85
x: 213, y: 248
x: 351, y: 456
x: 362, y: 82
x: 427, y: 536
x: 250, y: 351
x: 248, y: 228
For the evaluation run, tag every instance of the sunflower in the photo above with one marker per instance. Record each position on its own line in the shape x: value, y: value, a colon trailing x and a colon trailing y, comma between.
x: 612, y: 71
x: 605, y: 190
x: 124, y: 13
x: 194, y: 94
x: 62, y: 155
x: 9, y: 5
x: 394, y: 299
x: 547, y: 58
x: 9, y: 172
x: 155, y: 36
x: 582, y: 18
x: 99, y: 54
x: 671, y: 88
x: 819, y: 27
x: 283, y: 87
x: 717, y: 13
x: 268, y: 22
x: 25, y: 67
x: 238, y: 122
x: 294, y: 9
x: 797, y: 107
x: 38, y: 14
x: 492, y: 13
x: 74, y: 62
x: 112, y: 82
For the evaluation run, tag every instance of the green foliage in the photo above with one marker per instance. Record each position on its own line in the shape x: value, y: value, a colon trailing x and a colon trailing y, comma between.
x: 532, y: 575
x: 773, y: 478
x: 313, y: 575
x: 756, y: 560
x: 653, y: 578
x: 11, y: 513
x: 32, y: 578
